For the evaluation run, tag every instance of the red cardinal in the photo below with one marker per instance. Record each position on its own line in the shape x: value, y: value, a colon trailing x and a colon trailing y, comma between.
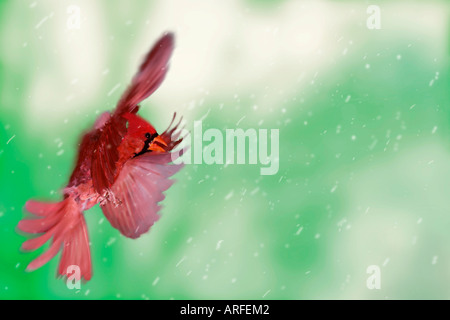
x: 123, y: 164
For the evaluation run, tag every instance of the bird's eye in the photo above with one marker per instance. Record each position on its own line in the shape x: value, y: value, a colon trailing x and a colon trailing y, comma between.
x: 147, y: 135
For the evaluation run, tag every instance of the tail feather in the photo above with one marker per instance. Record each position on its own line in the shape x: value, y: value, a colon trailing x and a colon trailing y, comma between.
x: 45, y: 257
x: 39, y: 225
x: 76, y: 251
x: 64, y: 223
x: 42, y: 208
x: 34, y: 243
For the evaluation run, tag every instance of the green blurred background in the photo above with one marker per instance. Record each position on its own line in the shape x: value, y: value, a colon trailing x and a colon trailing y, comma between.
x: 364, y: 155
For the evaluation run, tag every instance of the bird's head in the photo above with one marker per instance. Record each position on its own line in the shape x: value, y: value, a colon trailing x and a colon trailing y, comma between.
x: 142, y: 132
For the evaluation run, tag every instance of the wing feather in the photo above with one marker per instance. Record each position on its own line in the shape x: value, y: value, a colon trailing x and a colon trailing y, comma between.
x: 150, y: 75
x: 137, y: 191
x: 110, y: 134
x: 106, y: 153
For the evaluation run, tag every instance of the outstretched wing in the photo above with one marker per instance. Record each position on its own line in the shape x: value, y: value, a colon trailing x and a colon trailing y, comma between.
x: 111, y: 132
x: 132, y: 203
x: 150, y: 75
x: 133, y: 206
x: 106, y: 153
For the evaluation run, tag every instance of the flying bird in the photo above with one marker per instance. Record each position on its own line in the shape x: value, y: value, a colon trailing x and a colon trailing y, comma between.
x: 123, y: 164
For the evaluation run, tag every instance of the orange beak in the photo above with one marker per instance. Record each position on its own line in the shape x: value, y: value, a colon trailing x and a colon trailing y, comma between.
x: 158, y: 144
